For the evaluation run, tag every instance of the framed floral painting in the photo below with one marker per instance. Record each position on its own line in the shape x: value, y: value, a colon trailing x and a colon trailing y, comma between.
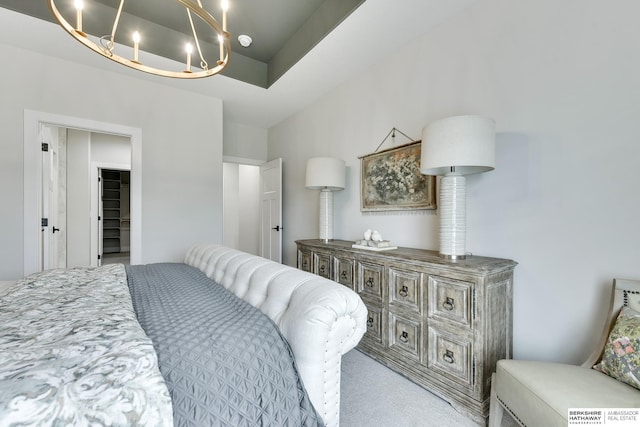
x: 391, y: 180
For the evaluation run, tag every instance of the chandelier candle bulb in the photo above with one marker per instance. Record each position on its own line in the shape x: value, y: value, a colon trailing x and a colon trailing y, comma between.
x: 136, y: 44
x: 225, y: 7
x: 79, y: 6
x: 189, y: 49
x: 221, y: 41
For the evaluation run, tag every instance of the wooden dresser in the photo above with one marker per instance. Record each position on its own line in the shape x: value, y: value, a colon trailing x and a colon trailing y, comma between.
x: 443, y: 324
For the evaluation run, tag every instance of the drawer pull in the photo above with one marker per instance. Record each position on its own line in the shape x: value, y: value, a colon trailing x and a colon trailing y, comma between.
x: 370, y: 282
x: 370, y: 322
x: 448, y: 356
x: 322, y: 268
x: 449, y: 304
x: 404, y: 291
x: 343, y: 275
x: 404, y: 337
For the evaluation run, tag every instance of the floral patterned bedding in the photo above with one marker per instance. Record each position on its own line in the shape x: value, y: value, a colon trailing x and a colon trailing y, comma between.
x: 73, y: 353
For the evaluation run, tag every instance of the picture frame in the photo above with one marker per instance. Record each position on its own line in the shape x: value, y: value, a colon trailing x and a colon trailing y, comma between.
x: 391, y: 180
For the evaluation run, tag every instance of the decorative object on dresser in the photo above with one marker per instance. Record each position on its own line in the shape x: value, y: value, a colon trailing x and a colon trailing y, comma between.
x: 454, y: 147
x: 327, y: 175
x: 443, y: 324
x: 373, y: 241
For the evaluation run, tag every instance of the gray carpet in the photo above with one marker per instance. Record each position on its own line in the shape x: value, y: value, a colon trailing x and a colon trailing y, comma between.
x: 373, y: 395
x: 116, y: 258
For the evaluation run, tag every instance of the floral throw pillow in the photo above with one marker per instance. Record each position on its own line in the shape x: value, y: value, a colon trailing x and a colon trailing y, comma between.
x: 621, y: 355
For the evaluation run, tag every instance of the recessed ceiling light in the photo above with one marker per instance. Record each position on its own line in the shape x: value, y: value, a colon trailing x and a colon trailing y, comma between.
x: 245, y: 40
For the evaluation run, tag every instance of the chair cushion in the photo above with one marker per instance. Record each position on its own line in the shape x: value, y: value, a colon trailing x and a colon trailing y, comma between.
x: 541, y: 393
x: 621, y: 355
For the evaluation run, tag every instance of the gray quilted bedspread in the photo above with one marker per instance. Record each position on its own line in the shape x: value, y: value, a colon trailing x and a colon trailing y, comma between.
x: 224, y: 361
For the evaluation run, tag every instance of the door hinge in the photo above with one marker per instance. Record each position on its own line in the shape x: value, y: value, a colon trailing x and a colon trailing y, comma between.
x: 45, y: 146
x: 99, y: 218
x: 99, y: 257
x: 45, y: 222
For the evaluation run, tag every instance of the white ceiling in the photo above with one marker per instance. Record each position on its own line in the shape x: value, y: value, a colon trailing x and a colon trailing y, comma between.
x: 366, y: 38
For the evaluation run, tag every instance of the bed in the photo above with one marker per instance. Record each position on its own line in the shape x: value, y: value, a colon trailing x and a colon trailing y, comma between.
x: 224, y: 338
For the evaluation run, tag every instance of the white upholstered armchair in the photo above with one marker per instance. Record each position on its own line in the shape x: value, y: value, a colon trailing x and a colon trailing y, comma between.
x: 541, y: 393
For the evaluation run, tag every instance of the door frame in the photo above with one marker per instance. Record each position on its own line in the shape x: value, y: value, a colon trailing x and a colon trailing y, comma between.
x: 96, y: 211
x: 32, y: 176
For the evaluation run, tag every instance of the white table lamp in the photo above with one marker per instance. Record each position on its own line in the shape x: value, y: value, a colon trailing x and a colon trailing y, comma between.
x: 454, y: 147
x: 326, y: 174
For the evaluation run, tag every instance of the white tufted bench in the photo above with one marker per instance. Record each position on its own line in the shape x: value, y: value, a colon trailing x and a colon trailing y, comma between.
x: 320, y: 319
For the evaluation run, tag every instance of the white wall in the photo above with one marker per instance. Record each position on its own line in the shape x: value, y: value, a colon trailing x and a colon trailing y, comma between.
x: 78, y: 198
x: 561, y: 81
x: 231, y: 191
x: 113, y: 149
x: 181, y: 147
x: 243, y: 141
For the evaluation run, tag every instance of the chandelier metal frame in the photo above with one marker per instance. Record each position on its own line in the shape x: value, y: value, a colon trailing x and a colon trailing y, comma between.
x: 107, y: 46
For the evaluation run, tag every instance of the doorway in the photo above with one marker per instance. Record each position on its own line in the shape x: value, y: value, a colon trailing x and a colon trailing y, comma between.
x: 252, y: 206
x: 241, y: 208
x: 33, y: 177
x: 76, y: 164
x: 114, y: 218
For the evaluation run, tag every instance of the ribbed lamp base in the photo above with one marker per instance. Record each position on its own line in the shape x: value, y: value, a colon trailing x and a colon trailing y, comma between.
x: 326, y: 215
x: 453, y: 214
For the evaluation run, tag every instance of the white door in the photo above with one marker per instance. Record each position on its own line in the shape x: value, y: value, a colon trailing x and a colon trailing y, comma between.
x: 271, y: 210
x: 50, y: 231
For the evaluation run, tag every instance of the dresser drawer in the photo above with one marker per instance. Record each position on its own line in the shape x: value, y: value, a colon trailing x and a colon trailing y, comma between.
x: 451, y: 356
x: 304, y: 260
x: 405, y: 289
x: 374, y: 324
x: 369, y: 281
x: 405, y: 336
x: 322, y: 265
x: 451, y: 300
x: 343, y: 271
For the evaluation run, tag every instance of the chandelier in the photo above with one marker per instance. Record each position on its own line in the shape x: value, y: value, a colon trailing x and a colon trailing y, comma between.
x: 106, y: 45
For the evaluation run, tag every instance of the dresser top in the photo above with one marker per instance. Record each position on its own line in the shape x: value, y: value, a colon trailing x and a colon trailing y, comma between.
x: 471, y: 263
